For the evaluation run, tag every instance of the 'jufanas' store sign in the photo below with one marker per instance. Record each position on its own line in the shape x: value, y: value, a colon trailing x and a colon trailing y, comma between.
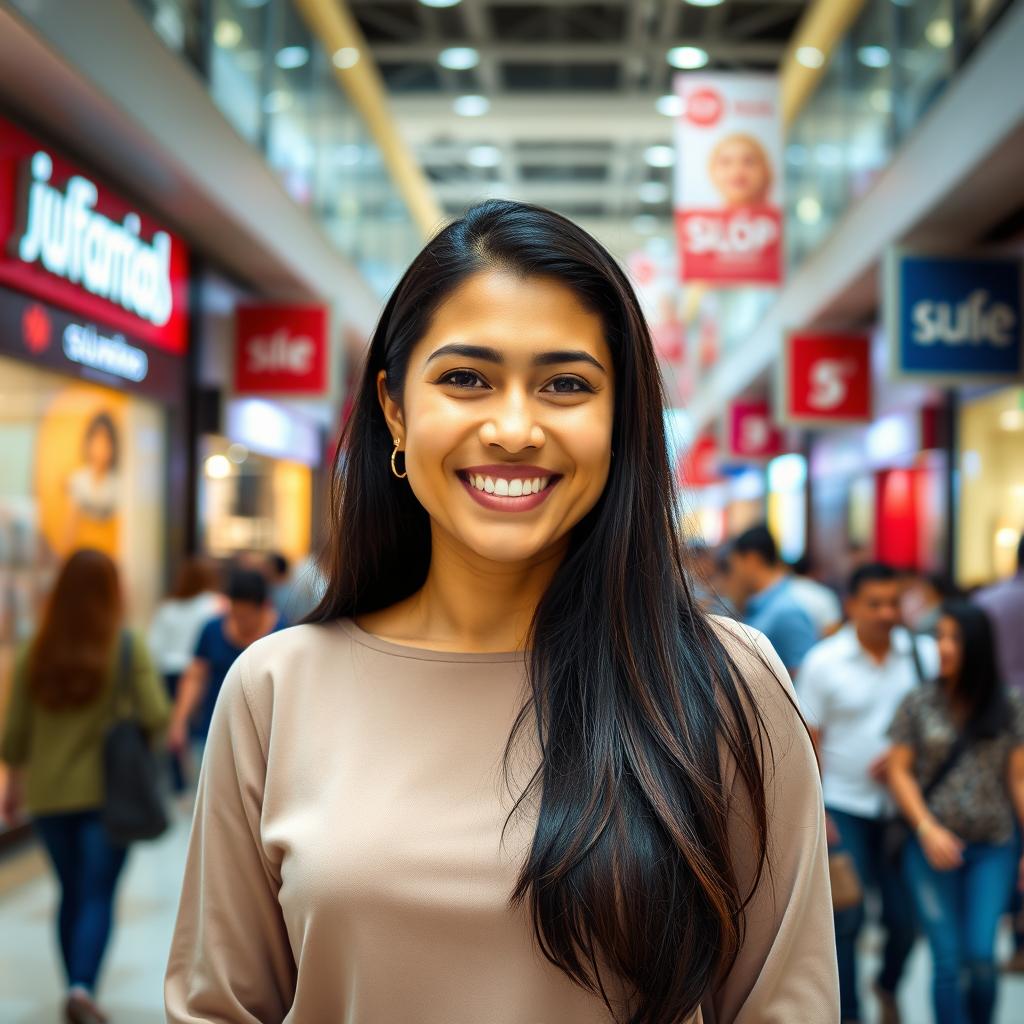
x: 73, y: 243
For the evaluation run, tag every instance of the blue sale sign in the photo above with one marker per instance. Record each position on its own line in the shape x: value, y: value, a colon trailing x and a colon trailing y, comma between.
x: 955, y: 320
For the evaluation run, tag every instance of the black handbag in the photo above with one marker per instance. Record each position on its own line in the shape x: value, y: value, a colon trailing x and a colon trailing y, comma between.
x: 133, y: 808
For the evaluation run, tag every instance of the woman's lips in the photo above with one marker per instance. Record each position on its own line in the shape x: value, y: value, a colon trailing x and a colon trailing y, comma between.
x: 510, y: 503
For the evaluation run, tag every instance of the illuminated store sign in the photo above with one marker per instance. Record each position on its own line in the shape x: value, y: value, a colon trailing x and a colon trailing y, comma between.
x: 953, y: 319
x: 69, y: 238
x: 83, y: 344
x: 71, y: 242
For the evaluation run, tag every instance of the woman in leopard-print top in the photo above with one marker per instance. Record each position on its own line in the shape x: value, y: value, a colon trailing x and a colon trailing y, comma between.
x: 962, y: 864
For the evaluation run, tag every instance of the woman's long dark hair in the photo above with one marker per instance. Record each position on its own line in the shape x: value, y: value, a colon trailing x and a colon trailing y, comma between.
x: 70, y: 658
x: 979, y: 685
x: 634, y: 697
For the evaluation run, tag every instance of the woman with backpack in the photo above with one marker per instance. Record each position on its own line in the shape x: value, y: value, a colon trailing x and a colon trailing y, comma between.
x: 957, y: 773
x: 62, y: 706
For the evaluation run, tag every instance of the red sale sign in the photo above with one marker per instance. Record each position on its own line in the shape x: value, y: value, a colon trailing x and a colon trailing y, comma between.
x: 751, y: 433
x: 728, y: 194
x: 826, y: 378
x: 281, y: 350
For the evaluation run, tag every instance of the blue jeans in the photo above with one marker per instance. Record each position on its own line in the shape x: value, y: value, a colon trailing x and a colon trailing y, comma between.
x: 960, y: 913
x: 88, y: 866
x: 863, y: 839
x: 1017, y: 900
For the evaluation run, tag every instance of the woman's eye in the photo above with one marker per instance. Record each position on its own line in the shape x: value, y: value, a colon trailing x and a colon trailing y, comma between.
x: 462, y: 379
x: 568, y: 386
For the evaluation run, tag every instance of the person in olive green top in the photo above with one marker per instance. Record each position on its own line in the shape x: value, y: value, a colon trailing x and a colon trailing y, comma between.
x: 60, y: 709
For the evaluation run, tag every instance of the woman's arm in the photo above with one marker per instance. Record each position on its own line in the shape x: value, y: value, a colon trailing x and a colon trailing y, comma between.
x: 230, y: 955
x: 941, y: 847
x: 786, y: 967
x: 1015, y: 784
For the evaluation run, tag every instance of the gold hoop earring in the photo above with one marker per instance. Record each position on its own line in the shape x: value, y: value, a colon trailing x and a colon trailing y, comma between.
x: 394, y: 452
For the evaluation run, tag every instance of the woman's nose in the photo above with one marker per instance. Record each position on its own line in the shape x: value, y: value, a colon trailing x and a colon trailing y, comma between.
x: 512, y: 425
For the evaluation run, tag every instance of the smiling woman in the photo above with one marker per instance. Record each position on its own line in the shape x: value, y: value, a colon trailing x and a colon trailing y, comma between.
x: 509, y: 771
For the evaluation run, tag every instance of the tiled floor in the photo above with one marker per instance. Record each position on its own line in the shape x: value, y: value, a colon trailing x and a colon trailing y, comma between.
x: 30, y: 983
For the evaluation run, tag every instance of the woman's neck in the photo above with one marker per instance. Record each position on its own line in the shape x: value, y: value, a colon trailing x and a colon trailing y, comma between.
x: 468, y: 603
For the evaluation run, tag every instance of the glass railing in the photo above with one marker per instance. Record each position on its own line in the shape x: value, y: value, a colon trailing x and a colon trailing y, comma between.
x: 276, y: 85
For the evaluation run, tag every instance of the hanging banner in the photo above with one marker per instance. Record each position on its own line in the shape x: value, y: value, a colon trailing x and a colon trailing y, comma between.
x: 728, y: 178
x: 281, y: 350
x: 955, y: 320
x: 751, y: 434
x: 825, y: 379
x: 699, y: 465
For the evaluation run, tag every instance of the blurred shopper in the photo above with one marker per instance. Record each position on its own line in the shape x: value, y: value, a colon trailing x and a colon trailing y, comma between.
x: 768, y: 601
x: 704, y: 574
x: 957, y: 773
x: 1004, y: 603
x: 819, y: 601
x: 61, y: 708
x: 250, y: 615
x: 280, y: 580
x: 175, y: 630
x: 849, y: 688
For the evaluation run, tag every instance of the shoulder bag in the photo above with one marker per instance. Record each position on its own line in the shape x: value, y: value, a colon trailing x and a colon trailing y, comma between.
x: 133, y: 807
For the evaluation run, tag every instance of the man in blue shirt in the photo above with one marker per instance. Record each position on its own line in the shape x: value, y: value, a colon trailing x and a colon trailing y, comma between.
x: 769, y: 605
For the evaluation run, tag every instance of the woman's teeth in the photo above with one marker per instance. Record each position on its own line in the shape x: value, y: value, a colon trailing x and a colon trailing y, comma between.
x: 508, y: 488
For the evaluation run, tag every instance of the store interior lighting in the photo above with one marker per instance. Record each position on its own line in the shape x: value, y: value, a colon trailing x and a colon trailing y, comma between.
x: 939, y: 33
x: 471, y: 106
x: 458, y: 58
x: 687, y: 58
x: 290, y: 57
x: 703, y: 3
x: 659, y: 156
x: 810, y: 56
x: 217, y: 467
x: 227, y: 34
x: 873, y: 56
x: 669, y: 105
x: 346, y: 57
x: 808, y: 210
x: 440, y: 3
x: 484, y: 156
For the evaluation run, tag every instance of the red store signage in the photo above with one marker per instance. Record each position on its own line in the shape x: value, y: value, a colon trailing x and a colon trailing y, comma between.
x: 826, y: 378
x: 73, y: 243
x: 751, y: 433
x: 281, y: 350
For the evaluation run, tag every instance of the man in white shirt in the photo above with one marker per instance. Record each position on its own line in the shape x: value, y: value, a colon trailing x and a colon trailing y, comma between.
x: 849, y: 687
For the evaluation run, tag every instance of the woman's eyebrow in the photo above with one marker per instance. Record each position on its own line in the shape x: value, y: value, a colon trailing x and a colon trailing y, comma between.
x: 492, y: 355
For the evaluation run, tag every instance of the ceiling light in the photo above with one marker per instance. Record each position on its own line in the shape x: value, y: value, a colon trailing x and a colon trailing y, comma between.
x: 939, y: 33
x: 808, y: 210
x: 653, y: 192
x: 471, y: 106
x: 458, y: 58
x: 1007, y: 537
x: 810, y: 56
x: 659, y: 156
x: 703, y: 3
x: 1012, y: 419
x: 873, y: 56
x: 345, y: 58
x: 227, y: 34
x: 439, y: 3
x: 217, y: 467
x: 687, y: 58
x: 290, y: 57
x: 670, y: 105
x: 484, y: 156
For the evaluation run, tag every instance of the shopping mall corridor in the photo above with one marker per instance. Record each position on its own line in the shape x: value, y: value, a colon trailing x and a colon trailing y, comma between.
x: 30, y: 985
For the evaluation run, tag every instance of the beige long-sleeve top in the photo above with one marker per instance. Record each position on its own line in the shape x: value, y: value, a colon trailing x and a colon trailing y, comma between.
x: 345, y: 868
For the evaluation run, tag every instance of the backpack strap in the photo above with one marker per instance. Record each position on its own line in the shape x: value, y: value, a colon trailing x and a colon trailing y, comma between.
x: 123, y: 681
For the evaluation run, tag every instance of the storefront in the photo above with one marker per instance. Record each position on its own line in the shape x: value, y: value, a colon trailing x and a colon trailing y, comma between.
x: 93, y: 334
x: 991, y: 499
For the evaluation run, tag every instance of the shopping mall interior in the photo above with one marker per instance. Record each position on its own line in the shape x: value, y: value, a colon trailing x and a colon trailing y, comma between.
x: 206, y: 204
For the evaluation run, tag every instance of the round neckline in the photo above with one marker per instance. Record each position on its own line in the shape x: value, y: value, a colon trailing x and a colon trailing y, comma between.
x: 378, y: 643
